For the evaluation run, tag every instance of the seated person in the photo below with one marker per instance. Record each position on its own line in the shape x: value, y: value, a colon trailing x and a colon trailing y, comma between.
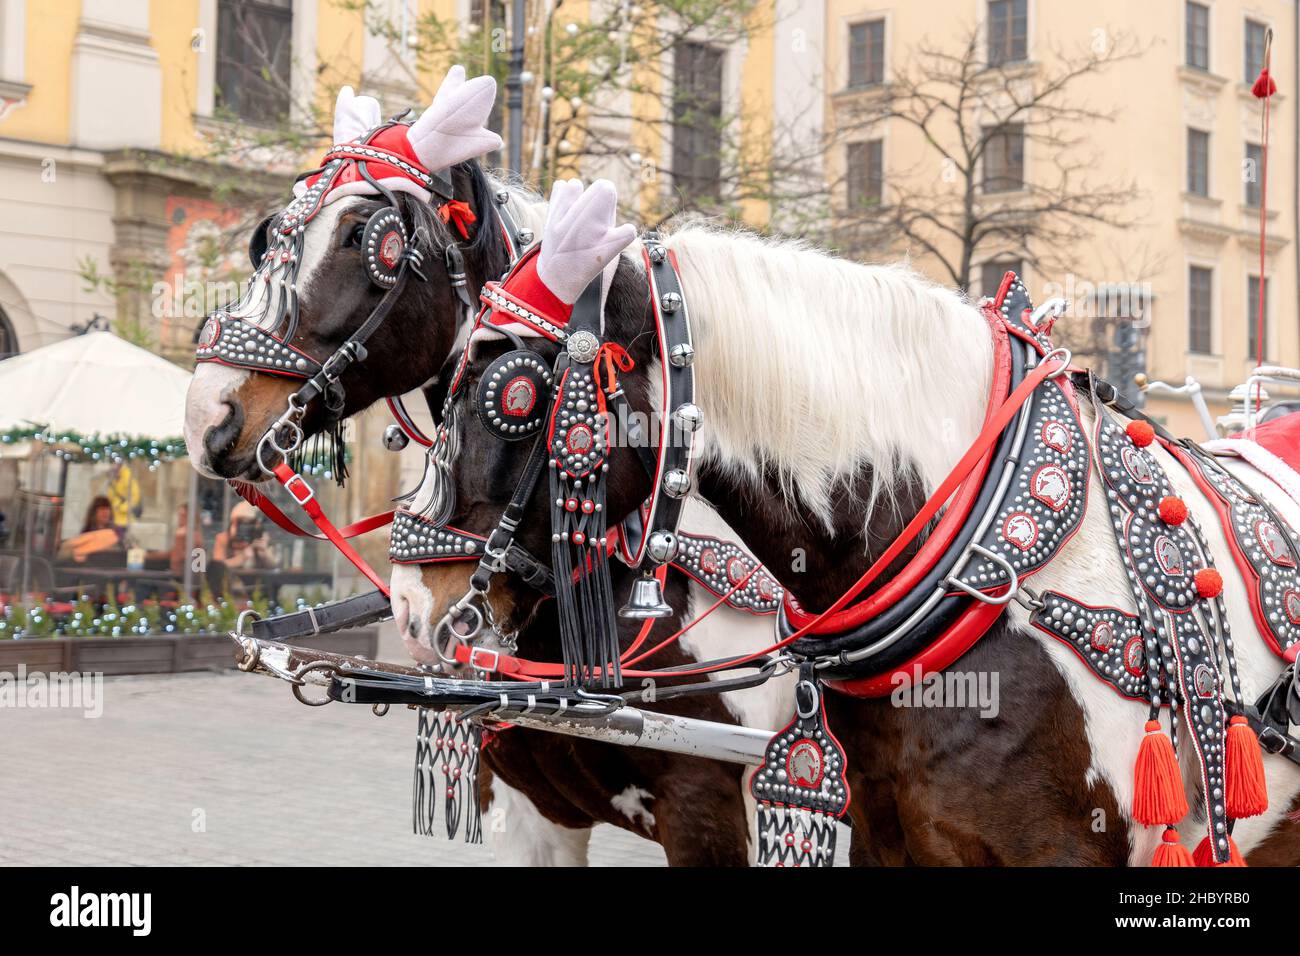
x: 98, y: 533
x: 244, y: 544
x: 178, y: 555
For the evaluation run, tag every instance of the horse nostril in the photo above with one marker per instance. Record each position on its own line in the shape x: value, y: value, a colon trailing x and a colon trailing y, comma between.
x: 220, y: 440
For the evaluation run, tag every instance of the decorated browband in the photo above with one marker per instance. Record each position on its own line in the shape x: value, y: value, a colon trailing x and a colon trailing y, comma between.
x: 369, y: 157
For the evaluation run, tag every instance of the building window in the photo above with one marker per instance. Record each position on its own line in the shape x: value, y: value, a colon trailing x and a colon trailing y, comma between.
x: 1252, y: 313
x: 1252, y: 173
x: 1200, y: 289
x: 8, y: 340
x: 1198, y: 162
x: 991, y: 274
x: 1256, y: 34
x: 865, y: 174
x: 1198, y: 35
x: 867, y: 53
x: 1008, y: 31
x: 254, y: 58
x: 1004, y: 158
x: 697, y: 121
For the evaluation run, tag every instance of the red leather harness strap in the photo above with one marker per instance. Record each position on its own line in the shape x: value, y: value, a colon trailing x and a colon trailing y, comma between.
x: 305, y: 496
x: 956, y: 641
x: 949, y: 524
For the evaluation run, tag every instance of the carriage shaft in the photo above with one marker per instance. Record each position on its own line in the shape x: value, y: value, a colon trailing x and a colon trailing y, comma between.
x: 628, y: 726
x: 633, y: 727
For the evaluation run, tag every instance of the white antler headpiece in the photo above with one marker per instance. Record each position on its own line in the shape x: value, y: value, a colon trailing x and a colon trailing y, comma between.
x: 454, y: 127
x: 452, y: 130
x: 580, y: 239
x: 354, y: 116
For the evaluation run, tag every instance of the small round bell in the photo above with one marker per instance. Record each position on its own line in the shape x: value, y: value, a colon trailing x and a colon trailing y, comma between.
x: 677, y: 483
x: 662, y: 546
x: 394, y: 438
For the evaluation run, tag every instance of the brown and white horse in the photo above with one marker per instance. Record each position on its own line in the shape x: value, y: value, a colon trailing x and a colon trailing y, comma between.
x: 546, y: 792
x: 837, y: 398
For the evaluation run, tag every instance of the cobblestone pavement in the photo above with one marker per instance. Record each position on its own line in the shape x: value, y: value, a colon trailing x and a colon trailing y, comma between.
x: 224, y: 768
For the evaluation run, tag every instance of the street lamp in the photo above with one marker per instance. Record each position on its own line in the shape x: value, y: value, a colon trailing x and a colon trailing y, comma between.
x: 515, y: 89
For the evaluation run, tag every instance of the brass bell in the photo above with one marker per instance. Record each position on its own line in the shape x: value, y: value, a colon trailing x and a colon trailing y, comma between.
x: 646, y: 600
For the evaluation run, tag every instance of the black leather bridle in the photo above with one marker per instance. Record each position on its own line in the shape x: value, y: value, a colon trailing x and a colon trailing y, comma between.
x: 392, y: 250
x: 563, y: 404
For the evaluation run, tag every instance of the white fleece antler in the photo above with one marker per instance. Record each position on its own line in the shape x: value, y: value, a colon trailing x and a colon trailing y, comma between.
x: 453, y: 128
x: 580, y: 238
x: 354, y: 116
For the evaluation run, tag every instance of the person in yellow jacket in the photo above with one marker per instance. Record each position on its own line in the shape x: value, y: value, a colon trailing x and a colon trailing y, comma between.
x: 124, y: 495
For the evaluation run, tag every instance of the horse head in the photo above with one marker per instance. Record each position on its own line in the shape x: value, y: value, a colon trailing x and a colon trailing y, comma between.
x: 513, y: 416
x: 372, y: 256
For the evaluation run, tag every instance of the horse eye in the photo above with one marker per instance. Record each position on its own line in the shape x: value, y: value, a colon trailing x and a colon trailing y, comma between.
x: 352, y: 240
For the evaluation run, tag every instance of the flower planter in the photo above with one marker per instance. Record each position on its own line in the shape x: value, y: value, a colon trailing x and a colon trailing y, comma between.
x: 156, y: 654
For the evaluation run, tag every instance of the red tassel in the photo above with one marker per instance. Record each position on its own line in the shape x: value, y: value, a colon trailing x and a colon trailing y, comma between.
x: 1204, y: 856
x: 1171, y: 852
x: 1158, y: 796
x: 1264, y: 85
x: 1247, y: 794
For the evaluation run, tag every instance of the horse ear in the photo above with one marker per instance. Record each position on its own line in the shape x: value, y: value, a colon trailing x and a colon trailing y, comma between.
x: 354, y: 115
x: 580, y: 238
x: 454, y: 128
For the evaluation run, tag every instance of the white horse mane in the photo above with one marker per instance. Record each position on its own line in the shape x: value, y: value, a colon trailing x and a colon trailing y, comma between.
x: 811, y: 366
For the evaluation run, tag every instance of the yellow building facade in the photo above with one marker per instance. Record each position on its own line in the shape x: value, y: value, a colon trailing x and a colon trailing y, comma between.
x: 133, y: 132
x: 1183, y: 133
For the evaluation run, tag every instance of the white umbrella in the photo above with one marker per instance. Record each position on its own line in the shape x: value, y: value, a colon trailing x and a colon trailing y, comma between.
x: 94, y: 385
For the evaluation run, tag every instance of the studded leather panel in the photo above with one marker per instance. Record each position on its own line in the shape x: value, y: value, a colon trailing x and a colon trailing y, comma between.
x: 720, y: 565
x: 1107, y: 639
x: 1045, y: 501
x: 244, y: 345
x: 1016, y: 309
x: 579, y: 429
x: 1161, y: 560
x: 417, y: 540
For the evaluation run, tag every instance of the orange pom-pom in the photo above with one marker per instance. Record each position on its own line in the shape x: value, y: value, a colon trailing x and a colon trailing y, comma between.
x: 1204, y: 856
x: 1209, y: 583
x: 1171, y: 851
x: 1244, y: 787
x: 1140, y: 433
x: 1173, y: 510
x: 1158, y: 795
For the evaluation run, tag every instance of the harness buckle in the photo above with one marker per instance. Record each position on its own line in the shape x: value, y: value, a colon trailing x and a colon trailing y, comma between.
x: 495, y: 656
x: 338, y: 363
x: 289, y: 486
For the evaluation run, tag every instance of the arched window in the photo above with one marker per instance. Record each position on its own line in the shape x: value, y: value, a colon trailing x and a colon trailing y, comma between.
x: 8, y: 339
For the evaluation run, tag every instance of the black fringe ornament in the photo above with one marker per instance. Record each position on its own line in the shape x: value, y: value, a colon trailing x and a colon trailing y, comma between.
x: 447, y: 761
x: 323, y: 453
x: 584, y: 593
